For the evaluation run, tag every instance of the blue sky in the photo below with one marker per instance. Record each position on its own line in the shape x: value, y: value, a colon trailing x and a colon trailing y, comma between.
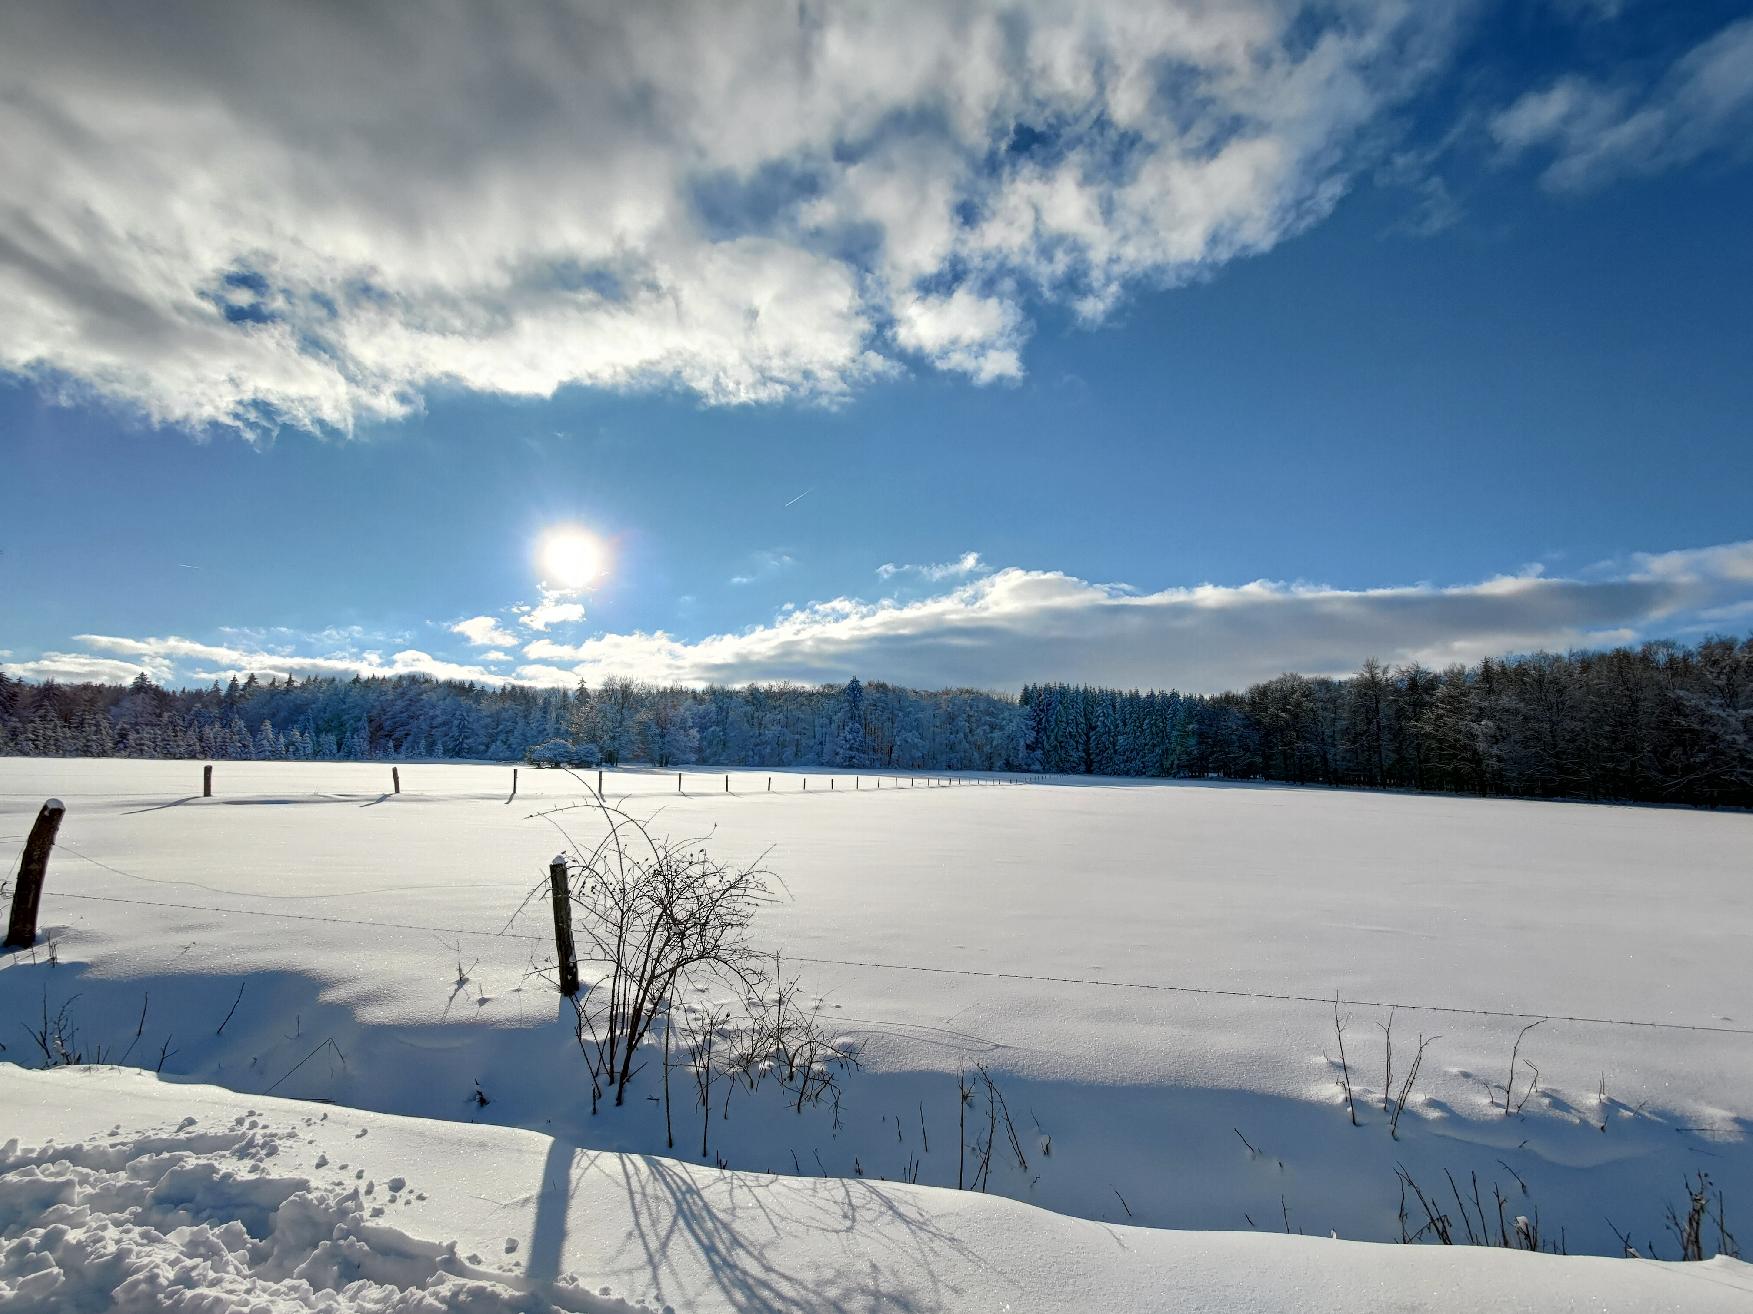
x: 1113, y: 348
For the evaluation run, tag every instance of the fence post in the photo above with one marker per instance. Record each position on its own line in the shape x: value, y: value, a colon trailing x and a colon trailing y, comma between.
x: 599, y: 783
x: 769, y: 784
x: 21, y: 931
x: 563, y: 950
x: 514, y: 782
x: 207, y: 781
x: 727, y: 783
x: 396, y: 779
x: 678, y: 782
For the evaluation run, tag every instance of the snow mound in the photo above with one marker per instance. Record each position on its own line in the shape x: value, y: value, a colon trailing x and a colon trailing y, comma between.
x: 199, y: 1223
x: 149, y: 1195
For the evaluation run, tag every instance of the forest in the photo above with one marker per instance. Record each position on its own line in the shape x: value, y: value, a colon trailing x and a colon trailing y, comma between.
x: 1660, y: 723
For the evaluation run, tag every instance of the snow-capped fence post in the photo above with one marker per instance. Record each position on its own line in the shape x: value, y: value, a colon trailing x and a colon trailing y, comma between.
x: 21, y: 930
x: 396, y: 779
x: 207, y: 781
x: 563, y: 949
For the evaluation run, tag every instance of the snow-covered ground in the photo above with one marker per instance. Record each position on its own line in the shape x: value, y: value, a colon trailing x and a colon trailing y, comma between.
x: 147, y: 1197
x: 1140, y: 966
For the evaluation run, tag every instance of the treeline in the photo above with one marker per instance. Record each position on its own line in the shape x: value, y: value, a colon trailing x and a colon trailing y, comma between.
x: 1663, y: 722
x: 416, y: 717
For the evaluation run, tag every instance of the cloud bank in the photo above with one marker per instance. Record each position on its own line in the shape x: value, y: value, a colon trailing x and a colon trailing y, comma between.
x: 1012, y: 626
x: 265, y: 215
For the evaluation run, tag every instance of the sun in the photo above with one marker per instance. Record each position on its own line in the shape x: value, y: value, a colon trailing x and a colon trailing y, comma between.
x: 570, y: 558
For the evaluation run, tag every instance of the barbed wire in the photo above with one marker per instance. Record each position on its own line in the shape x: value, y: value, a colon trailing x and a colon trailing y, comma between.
x: 1267, y: 996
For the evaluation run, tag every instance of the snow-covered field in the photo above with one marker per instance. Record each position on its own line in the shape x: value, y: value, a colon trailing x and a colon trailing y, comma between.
x: 1140, y: 966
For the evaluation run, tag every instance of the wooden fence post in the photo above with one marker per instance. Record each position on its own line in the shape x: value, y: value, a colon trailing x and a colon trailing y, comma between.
x: 599, y: 783
x: 21, y: 930
x: 678, y: 782
x: 207, y: 781
x: 563, y: 950
x: 727, y: 784
x: 396, y: 779
x: 514, y: 782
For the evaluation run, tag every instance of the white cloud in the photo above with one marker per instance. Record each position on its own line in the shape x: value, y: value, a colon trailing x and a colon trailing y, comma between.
x: 74, y: 667
x: 1012, y: 626
x: 968, y: 563
x: 1597, y: 131
x: 258, y: 215
x: 975, y: 335
x: 548, y: 612
x: 496, y: 656
x: 173, y: 659
x: 770, y: 561
x: 483, y: 631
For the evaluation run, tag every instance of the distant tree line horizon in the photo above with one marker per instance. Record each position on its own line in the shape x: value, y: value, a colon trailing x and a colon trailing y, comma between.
x: 1663, y: 722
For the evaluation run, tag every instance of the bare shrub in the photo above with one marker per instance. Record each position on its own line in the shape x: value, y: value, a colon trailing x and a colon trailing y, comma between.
x: 997, y: 1117
x: 661, y: 922
x: 57, y: 1038
x: 1690, y: 1231
x: 787, y: 1040
x: 1520, y: 1233
x: 652, y: 916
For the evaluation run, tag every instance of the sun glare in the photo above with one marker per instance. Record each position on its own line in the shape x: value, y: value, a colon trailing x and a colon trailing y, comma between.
x: 570, y: 558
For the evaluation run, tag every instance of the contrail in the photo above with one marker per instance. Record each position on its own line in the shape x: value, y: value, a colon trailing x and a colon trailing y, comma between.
x: 800, y: 497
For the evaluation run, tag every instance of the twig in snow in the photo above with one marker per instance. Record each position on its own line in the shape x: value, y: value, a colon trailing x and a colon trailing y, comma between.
x: 1509, y: 1085
x: 1388, y: 1063
x: 1406, y: 1086
x: 327, y: 1044
x: 1344, y: 1067
x: 138, y: 1030
x: 228, y: 1012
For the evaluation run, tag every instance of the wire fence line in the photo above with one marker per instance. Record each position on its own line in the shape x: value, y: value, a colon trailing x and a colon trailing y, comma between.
x: 1267, y: 996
